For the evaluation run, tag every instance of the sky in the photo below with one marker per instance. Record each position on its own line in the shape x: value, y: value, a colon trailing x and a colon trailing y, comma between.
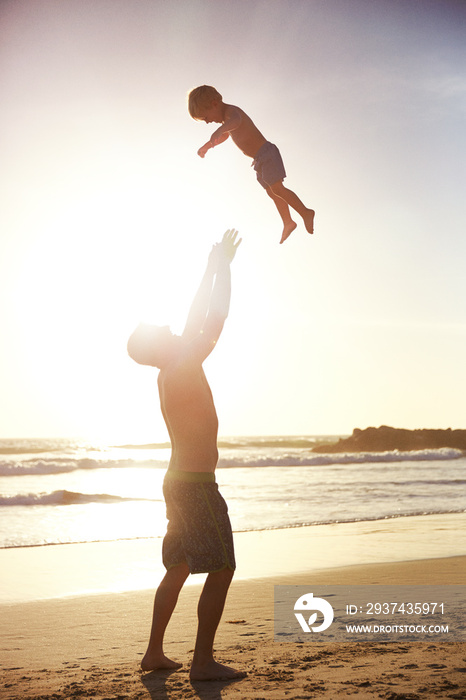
x: 107, y: 214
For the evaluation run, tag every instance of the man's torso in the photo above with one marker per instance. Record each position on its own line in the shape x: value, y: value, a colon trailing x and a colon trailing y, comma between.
x: 189, y: 412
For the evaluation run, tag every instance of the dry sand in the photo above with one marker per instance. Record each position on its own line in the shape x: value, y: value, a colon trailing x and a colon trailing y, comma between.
x: 90, y: 646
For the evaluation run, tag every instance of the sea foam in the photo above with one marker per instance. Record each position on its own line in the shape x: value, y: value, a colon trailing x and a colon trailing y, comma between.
x: 240, y: 459
x: 63, y: 498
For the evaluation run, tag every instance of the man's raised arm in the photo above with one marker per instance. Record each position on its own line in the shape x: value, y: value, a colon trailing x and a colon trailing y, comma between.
x: 212, y: 302
x: 200, y: 304
x: 220, y: 298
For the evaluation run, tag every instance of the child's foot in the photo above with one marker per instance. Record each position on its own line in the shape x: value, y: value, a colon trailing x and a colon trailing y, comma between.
x: 214, y: 671
x: 308, y: 219
x: 287, y: 230
x: 153, y: 663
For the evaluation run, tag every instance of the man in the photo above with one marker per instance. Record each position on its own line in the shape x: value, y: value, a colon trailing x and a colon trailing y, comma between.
x: 199, y: 537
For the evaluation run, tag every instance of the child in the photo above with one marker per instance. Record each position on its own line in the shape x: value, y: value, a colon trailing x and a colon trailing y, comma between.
x: 206, y: 104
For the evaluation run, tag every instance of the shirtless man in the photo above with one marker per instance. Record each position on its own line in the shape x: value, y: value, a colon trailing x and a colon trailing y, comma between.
x: 206, y: 104
x: 199, y: 536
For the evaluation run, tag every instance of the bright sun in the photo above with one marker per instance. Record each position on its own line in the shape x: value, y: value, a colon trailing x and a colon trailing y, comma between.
x: 91, y: 272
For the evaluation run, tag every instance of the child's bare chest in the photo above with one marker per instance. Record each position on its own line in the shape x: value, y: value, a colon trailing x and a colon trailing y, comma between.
x: 247, y: 136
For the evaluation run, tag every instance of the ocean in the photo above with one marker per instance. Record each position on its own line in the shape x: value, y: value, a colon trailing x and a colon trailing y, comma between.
x: 63, y: 491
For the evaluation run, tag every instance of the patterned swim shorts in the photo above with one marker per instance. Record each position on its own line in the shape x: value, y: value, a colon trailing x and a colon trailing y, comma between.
x: 199, y: 529
x: 268, y: 165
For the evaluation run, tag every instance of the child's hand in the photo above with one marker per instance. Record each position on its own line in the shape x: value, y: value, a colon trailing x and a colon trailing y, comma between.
x: 203, y: 149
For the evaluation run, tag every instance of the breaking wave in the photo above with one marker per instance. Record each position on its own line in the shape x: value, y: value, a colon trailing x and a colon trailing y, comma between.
x: 63, y: 498
x: 246, y: 459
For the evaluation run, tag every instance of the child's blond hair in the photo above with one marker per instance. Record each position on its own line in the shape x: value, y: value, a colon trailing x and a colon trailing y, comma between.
x: 200, y: 98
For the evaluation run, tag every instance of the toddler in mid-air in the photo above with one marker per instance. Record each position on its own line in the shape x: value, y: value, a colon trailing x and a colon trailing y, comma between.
x: 206, y: 104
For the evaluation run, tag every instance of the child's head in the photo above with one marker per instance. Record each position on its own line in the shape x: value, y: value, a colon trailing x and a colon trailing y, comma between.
x: 200, y: 99
x: 151, y: 345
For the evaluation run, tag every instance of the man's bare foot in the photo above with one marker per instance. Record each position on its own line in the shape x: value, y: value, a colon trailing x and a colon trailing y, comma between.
x: 153, y: 662
x: 214, y: 671
x: 287, y: 230
x: 309, y: 220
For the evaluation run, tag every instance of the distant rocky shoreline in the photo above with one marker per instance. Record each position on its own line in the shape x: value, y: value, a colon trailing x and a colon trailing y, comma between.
x: 385, y: 439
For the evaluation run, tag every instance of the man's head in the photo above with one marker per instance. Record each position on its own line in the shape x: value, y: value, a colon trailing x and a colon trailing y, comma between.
x: 151, y: 345
x: 205, y: 100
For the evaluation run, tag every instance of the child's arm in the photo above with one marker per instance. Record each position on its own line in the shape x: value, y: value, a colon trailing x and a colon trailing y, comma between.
x: 232, y: 121
x: 210, y: 144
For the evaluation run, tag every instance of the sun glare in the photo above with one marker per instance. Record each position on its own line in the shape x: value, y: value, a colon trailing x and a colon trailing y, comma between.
x: 96, y: 265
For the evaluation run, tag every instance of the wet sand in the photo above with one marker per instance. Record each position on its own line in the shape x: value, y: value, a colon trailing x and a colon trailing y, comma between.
x: 90, y: 646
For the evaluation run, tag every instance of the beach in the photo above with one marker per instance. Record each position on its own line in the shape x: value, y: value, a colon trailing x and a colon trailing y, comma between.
x: 80, y: 645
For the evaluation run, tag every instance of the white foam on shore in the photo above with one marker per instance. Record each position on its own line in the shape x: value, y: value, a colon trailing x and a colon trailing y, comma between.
x: 249, y: 458
x: 57, y: 571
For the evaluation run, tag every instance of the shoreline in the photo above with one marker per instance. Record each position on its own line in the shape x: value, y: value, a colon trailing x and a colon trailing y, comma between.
x: 241, y: 532
x: 73, y: 570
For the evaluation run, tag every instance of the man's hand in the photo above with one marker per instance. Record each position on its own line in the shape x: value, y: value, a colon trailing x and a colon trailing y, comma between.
x: 228, y: 246
x: 203, y: 149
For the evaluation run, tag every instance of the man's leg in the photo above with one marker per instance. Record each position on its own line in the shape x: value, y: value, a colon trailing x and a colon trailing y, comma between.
x: 164, y: 605
x: 279, y: 190
x: 210, y: 609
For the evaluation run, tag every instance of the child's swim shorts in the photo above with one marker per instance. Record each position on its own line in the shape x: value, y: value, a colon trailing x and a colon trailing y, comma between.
x: 268, y: 165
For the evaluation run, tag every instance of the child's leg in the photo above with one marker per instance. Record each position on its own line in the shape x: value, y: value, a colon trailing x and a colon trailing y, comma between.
x: 279, y: 190
x: 283, y: 209
x: 164, y: 605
